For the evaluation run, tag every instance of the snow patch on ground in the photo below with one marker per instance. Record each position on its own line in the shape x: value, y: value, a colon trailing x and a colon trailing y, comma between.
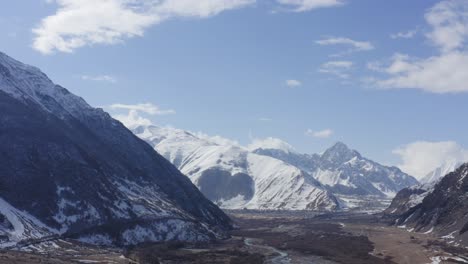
x: 24, y: 225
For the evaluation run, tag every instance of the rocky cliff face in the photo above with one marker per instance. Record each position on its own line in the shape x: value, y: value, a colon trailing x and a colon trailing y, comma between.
x: 442, y: 209
x: 68, y: 168
x: 407, y: 199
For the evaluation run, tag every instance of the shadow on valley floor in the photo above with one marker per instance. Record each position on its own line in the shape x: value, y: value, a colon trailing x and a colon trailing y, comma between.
x: 271, y: 238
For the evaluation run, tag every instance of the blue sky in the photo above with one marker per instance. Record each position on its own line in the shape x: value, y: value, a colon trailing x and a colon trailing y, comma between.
x: 385, y: 77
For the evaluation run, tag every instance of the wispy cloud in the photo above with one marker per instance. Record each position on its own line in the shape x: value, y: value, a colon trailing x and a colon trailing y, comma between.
x: 404, y: 34
x: 354, y: 44
x: 99, y: 78
x: 449, y: 22
x: 326, y: 133
x: 441, y: 73
x: 79, y: 23
x: 133, y: 118
x: 337, y: 68
x: 307, y: 5
x: 265, y: 119
x: 219, y: 140
x: 270, y: 143
x: 293, y: 83
x: 147, y: 108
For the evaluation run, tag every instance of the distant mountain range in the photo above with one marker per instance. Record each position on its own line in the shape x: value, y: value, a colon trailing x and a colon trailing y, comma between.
x: 70, y: 169
x: 344, y: 171
x: 236, y: 178
x: 275, y: 176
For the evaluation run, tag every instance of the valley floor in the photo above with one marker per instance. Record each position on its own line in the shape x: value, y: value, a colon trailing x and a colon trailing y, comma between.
x: 272, y: 238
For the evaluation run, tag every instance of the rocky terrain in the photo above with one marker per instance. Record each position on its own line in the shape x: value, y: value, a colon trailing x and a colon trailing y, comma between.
x: 271, y: 237
x: 441, y: 209
x: 68, y: 169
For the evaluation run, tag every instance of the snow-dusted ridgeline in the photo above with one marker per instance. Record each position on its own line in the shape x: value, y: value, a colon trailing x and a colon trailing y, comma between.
x: 440, y: 207
x: 235, y: 178
x: 68, y: 168
x: 270, y: 174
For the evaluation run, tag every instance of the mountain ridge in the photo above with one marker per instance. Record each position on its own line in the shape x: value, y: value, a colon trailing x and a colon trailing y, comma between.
x: 263, y: 182
x: 84, y: 169
x: 325, y: 171
x: 346, y: 172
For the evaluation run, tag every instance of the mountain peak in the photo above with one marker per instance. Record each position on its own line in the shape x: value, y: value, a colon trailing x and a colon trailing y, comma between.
x: 64, y: 143
x: 29, y: 84
x: 9, y: 62
x: 340, y: 145
x: 339, y: 152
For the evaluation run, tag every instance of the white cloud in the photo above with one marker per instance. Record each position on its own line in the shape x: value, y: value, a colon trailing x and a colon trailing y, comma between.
x: 307, y: 5
x: 326, y: 133
x: 99, y: 78
x: 355, y: 45
x: 404, y: 35
x: 217, y: 139
x: 446, y: 73
x: 441, y: 73
x: 197, y: 8
x: 293, y: 83
x: 270, y: 143
x: 337, y: 68
x: 449, y: 22
x: 79, y: 23
x: 265, y: 119
x: 133, y: 119
x: 147, y: 108
x: 422, y: 157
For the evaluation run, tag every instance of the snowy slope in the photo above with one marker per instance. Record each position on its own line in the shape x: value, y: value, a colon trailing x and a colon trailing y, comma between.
x: 437, y: 174
x: 236, y: 178
x: 68, y: 168
x: 280, y: 177
x: 18, y: 226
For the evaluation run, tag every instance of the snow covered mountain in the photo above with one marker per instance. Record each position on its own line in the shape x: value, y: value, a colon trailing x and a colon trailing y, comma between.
x: 346, y: 173
x: 268, y: 173
x: 236, y: 178
x: 437, y: 174
x: 441, y: 208
x: 410, y: 197
x: 68, y: 168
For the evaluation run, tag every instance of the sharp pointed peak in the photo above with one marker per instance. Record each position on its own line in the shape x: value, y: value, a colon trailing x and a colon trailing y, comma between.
x: 339, y: 145
x: 339, y: 152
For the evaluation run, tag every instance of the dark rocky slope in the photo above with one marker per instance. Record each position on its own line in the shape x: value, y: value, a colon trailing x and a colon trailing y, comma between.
x: 72, y: 169
x: 442, y: 209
